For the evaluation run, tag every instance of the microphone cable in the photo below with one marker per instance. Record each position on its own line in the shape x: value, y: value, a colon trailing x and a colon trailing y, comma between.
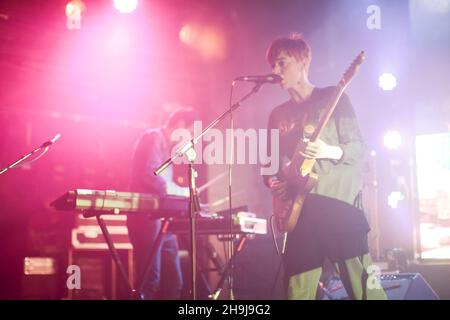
x: 281, y: 254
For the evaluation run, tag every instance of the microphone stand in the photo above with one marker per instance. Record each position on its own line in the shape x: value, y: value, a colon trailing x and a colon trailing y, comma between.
x: 188, y: 150
x: 23, y: 158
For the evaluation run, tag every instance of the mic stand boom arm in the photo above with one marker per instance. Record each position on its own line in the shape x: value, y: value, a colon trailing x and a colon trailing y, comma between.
x: 23, y: 158
x: 189, y: 144
x: 188, y: 149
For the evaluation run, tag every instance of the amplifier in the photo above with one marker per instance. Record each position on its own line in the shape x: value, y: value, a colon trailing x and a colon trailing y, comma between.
x: 88, y: 235
x: 398, y: 286
x: 91, y: 237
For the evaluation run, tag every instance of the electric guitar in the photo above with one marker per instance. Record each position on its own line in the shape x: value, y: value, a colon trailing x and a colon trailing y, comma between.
x: 298, y: 172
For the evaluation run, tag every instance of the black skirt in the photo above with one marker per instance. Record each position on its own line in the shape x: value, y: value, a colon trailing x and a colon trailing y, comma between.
x: 326, y: 228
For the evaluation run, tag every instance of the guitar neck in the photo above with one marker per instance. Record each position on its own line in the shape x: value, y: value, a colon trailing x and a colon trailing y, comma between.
x: 343, y: 83
x: 329, y: 110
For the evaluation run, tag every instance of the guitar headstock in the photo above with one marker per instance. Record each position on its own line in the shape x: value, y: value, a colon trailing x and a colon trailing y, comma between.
x: 353, y: 69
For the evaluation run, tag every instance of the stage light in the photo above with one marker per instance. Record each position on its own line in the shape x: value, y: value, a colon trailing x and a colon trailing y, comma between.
x: 387, y: 81
x: 74, y: 11
x: 125, y: 6
x: 119, y: 42
x: 188, y: 34
x: 394, y: 198
x: 392, y: 140
x: 211, y: 44
x: 208, y: 41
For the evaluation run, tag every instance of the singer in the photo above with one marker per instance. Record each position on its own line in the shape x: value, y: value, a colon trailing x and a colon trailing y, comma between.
x: 332, y: 224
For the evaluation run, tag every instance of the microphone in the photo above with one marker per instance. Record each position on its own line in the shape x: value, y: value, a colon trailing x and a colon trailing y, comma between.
x: 269, y: 78
x: 49, y: 143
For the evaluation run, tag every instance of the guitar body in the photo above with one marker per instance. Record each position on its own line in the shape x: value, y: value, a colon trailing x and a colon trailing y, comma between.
x: 287, y: 211
x: 298, y: 173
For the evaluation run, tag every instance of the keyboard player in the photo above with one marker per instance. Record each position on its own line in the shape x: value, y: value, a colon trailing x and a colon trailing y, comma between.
x: 153, y: 146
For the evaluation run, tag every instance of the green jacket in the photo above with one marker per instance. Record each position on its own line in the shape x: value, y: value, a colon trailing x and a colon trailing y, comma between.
x: 338, y: 179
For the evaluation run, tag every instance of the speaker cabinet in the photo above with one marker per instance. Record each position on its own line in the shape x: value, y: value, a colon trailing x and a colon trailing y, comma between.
x: 40, y: 279
x: 100, y: 277
x: 398, y: 286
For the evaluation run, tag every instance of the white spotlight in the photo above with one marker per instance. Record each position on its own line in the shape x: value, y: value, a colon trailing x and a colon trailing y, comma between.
x: 392, y: 140
x: 387, y: 81
x: 394, y: 198
x: 125, y: 6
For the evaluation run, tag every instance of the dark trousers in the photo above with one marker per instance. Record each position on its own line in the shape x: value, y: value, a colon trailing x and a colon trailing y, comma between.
x: 165, y: 279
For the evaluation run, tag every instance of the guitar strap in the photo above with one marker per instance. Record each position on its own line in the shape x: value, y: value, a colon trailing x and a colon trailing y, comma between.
x: 364, y: 277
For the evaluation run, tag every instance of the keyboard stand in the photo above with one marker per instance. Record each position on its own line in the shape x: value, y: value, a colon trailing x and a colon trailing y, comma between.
x: 226, y: 272
x: 148, y: 263
x: 133, y: 293
x: 163, y: 231
x: 137, y: 294
x: 116, y: 258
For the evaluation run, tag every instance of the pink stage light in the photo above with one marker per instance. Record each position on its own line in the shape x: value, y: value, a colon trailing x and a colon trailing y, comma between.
x: 118, y: 42
x: 208, y: 41
x: 125, y: 6
x: 74, y: 11
x: 188, y: 34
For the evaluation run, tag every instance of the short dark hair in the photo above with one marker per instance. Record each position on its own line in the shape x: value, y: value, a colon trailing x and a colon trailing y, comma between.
x: 187, y: 115
x: 294, y: 46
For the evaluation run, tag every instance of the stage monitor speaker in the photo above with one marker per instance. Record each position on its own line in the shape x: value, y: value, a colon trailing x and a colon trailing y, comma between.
x: 40, y: 279
x: 398, y: 286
